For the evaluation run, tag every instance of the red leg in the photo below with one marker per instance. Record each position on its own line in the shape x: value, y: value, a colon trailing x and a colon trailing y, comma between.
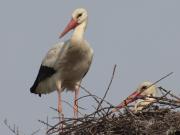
x: 59, y: 102
x: 75, y: 101
x: 61, y: 115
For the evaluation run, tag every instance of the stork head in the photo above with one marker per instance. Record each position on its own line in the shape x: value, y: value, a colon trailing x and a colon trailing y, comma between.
x: 78, y: 16
x: 144, y: 89
x: 147, y: 89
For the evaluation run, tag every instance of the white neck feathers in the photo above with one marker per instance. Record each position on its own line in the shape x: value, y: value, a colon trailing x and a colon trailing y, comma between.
x: 78, y: 34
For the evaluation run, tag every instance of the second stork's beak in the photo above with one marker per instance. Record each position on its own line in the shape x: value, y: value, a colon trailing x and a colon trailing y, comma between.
x: 134, y: 96
x: 71, y: 25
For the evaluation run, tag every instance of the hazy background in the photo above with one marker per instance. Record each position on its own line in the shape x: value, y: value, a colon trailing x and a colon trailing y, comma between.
x: 141, y: 37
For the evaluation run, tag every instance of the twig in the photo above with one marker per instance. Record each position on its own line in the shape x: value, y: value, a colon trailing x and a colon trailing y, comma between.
x: 13, y: 129
x: 87, y: 91
x: 69, y: 106
x: 161, y: 88
x: 156, y: 82
x: 105, y: 94
x: 45, y: 123
x: 35, y: 132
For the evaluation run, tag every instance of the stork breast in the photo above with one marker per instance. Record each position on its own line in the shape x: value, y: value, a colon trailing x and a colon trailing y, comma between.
x: 75, y: 63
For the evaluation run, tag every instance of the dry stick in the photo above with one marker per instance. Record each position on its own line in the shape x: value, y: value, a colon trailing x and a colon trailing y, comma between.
x: 97, y: 112
x: 69, y: 106
x: 14, y: 130
x: 157, y: 99
x: 86, y: 96
x: 35, y: 132
x: 9, y: 127
x: 88, y: 93
x: 96, y: 98
x: 158, y: 81
x: 54, y: 127
x: 112, y: 77
x: 73, y: 107
x: 53, y: 109
x: 88, y: 115
x: 70, y: 129
x: 169, y: 103
x: 164, y: 100
x: 47, y: 122
x: 161, y: 88
x: 162, y: 92
x: 93, y: 96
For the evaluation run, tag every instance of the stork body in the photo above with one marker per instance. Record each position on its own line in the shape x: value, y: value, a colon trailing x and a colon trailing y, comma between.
x: 66, y: 63
x: 151, y: 90
x: 144, y: 90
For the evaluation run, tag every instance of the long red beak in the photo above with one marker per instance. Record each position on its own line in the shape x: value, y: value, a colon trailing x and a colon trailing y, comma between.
x: 71, y: 25
x: 133, y: 97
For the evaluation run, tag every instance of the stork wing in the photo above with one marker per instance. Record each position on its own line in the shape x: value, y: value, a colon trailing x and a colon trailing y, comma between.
x: 47, y: 67
x: 52, y: 55
x: 90, y: 61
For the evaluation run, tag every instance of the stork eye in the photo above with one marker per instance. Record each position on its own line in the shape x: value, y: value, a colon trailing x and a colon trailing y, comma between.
x: 144, y: 87
x: 79, y: 15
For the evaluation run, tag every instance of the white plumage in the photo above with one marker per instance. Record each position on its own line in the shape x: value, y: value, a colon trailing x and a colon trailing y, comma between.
x: 145, y: 90
x: 66, y: 63
x: 151, y: 90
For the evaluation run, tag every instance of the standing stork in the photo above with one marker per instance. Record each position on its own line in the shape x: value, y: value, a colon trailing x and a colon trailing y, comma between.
x: 66, y: 63
x: 144, y: 90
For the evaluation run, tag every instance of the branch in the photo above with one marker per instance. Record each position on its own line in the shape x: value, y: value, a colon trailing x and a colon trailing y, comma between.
x: 105, y: 94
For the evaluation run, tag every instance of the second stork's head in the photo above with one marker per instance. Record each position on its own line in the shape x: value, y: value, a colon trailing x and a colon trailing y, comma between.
x: 147, y: 88
x: 79, y: 16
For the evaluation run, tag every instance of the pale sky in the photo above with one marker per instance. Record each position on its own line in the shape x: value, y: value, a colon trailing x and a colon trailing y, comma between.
x: 141, y: 37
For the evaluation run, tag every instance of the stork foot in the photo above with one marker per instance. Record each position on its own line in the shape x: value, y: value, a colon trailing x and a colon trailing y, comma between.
x: 61, y: 118
x: 61, y: 122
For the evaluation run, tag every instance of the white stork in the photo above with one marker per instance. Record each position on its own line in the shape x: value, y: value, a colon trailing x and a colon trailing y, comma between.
x: 151, y: 90
x: 144, y: 90
x: 66, y: 63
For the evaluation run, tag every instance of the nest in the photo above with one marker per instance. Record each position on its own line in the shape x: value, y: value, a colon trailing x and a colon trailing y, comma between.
x: 159, y: 118
x: 162, y: 117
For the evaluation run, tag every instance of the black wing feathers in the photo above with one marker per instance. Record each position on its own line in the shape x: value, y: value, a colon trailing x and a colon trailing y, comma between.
x: 44, y: 73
